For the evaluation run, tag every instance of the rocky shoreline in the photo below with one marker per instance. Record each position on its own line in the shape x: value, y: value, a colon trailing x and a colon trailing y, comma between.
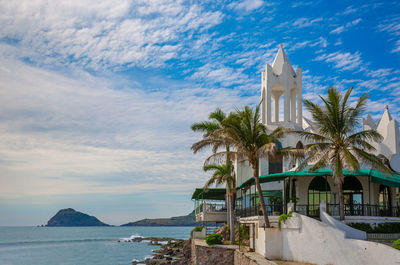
x: 172, y: 251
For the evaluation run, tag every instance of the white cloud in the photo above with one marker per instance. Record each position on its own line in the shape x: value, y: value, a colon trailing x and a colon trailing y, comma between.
x: 342, y: 60
x: 392, y: 27
x: 396, y: 46
x: 306, y: 22
x: 302, y: 3
x: 341, y: 29
x: 218, y: 73
x: 348, y: 10
x: 109, y: 34
x: 247, y: 5
x: 81, y: 135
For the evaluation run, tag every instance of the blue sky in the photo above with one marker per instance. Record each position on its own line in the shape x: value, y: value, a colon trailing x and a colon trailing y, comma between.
x: 96, y: 100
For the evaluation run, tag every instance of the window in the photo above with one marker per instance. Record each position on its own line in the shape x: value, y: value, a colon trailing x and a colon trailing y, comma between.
x: 318, y: 191
x: 275, y: 164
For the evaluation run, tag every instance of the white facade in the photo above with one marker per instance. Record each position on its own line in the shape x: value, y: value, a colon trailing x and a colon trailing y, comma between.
x: 303, y: 238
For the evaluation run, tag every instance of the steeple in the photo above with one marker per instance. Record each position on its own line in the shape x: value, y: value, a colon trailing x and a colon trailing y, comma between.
x: 368, y: 123
x: 280, y: 59
x: 280, y: 80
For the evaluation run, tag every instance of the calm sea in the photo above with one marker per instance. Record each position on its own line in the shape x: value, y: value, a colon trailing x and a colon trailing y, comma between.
x: 79, y: 245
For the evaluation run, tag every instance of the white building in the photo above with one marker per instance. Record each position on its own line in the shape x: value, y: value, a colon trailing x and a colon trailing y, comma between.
x: 369, y: 194
x: 313, y: 234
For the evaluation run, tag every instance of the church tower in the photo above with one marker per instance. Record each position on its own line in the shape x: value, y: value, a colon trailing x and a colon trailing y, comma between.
x: 280, y: 80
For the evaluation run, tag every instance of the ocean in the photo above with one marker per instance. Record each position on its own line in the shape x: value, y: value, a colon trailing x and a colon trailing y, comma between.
x: 79, y: 245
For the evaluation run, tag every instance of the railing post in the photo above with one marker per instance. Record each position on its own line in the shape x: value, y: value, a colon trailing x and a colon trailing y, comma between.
x: 290, y: 207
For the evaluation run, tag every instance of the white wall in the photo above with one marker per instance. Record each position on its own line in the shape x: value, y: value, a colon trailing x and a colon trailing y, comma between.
x: 307, y: 240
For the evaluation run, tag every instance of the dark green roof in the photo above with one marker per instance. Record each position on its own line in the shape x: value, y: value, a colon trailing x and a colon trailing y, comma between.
x: 211, y: 194
x: 392, y: 180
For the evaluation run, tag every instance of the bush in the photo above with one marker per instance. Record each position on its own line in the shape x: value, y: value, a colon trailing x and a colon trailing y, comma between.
x: 389, y: 228
x: 196, y: 229
x: 366, y: 227
x: 396, y: 244
x: 283, y: 217
x: 213, y: 239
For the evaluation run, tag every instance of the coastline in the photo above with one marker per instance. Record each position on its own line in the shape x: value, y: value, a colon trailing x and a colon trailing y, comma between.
x: 172, y: 251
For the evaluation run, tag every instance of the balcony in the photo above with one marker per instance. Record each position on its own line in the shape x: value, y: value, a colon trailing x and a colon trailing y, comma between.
x: 211, y: 212
x: 367, y: 210
x: 350, y: 210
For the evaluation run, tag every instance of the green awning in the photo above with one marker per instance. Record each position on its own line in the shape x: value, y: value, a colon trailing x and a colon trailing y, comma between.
x: 391, y: 180
x: 211, y: 194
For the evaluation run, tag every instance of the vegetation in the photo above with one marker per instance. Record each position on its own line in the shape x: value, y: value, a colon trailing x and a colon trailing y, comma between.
x: 213, y: 239
x: 282, y: 218
x: 396, y: 244
x: 223, y: 174
x: 244, y: 131
x: 198, y: 228
x: 242, y: 233
x: 336, y: 144
x: 388, y: 228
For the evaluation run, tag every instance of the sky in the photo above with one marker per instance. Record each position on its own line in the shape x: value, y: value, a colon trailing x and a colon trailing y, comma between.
x: 97, y: 97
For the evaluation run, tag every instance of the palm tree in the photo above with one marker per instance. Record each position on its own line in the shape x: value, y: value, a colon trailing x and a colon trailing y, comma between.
x: 335, y: 142
x: 215, y: 123
x: 244, y: 131
x: 222, y: 174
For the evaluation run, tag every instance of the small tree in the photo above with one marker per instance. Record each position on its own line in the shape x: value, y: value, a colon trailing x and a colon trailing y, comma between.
x: 336, y: 144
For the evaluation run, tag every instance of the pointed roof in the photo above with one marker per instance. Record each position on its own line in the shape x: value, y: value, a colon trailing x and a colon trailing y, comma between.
x: 280, y: 59
x: 384, y: 122
x: 369, y: 122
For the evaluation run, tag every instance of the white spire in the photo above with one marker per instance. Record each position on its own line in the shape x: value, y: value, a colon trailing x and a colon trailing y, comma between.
x: 369, y: 123
x: 384, y: 122
x: 280, y: 59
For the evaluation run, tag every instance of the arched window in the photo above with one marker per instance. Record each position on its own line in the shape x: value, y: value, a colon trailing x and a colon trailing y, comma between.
x: 353, y: 196
x: 384, y: 196
x: 318, y: 191
x: 275, y: 164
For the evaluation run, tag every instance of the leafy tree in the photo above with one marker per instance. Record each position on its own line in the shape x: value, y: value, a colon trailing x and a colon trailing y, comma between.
x: 244, y: 131
x: 222, y: 173
x: 336, y: 142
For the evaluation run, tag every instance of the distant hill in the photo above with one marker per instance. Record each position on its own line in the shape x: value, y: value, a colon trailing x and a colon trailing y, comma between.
x: 187, y: 220
x: 70, y: 217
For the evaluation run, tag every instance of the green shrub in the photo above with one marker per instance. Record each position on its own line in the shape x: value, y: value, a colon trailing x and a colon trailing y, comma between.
x: 213, y: 239
x: 389, y: 228
x: 283, y: 217
x: 366, y: 227
x: 396, y: 244
x: 196, y: 229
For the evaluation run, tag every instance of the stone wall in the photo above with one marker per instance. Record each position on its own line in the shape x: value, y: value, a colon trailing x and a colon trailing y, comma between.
x: 202, y: 254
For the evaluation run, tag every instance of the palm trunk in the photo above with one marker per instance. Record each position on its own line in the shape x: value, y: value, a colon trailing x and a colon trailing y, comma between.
x: 231, y: 219
x: 341, y: 201
x: 260, y: 196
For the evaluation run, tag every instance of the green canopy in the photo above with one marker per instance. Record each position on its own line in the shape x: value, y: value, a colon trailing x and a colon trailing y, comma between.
x: 391, y: 180
x: 211, y: 194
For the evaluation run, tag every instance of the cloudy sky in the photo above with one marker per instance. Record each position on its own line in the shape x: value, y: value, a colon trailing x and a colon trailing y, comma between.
x: 96, y: 99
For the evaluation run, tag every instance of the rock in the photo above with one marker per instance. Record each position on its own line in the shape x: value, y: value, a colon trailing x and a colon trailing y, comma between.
x: 70, y: 217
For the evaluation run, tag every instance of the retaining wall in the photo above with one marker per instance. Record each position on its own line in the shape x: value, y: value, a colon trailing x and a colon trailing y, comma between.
x: 202, y: 254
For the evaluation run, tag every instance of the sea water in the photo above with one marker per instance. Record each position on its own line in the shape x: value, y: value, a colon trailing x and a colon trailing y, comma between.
x: 79, y: 245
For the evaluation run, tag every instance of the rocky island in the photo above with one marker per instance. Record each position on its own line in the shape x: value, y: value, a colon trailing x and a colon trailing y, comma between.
x: 70, y: 217
x: 186, y: 220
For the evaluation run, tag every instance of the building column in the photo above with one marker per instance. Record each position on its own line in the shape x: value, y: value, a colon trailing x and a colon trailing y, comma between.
x: 293, y: 106
x: 286, y: 99
x: 276, y: 107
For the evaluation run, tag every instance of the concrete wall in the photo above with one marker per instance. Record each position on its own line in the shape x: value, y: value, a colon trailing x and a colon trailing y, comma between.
x: 350, y: 232
x: 202, y: 254
x: 307, y: 240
